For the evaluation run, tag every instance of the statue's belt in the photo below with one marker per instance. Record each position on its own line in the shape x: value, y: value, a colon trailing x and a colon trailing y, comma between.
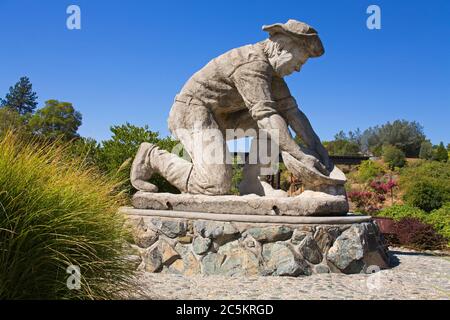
x: 187, y: 99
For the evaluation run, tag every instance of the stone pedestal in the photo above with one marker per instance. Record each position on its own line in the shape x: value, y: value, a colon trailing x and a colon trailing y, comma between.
x: 232, y: 244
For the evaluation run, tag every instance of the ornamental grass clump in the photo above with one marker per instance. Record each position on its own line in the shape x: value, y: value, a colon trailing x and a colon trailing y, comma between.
x: 56, y: 212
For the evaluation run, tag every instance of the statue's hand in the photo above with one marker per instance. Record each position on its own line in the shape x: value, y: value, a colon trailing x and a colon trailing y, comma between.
x: 323, y: 154
x: 313, y: 162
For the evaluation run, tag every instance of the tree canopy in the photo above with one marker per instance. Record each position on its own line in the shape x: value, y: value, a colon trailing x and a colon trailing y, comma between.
x: 56, y: 120
x: 21, y: 97
x: 404, y: 135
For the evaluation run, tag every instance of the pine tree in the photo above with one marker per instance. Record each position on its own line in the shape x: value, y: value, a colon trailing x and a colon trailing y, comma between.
x: 21, y: 97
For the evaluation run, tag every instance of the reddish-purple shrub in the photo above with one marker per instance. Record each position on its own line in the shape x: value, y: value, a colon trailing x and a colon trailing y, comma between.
x: 372, y: 201
x: 366, y: 201
x: 412, y: 232
x: 383, y: 187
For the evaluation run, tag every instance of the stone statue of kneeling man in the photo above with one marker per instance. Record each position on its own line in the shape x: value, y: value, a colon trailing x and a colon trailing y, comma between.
x: 242, y: 89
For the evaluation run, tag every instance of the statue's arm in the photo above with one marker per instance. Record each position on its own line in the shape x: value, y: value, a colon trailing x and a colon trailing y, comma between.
x: 253, y: 83
x: 297, y: 120
x: 302, y: 127
x: 275, y: 124
x: 287, y: 106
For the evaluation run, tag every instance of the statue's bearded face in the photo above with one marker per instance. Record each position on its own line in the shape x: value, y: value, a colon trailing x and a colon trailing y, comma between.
x: 291, y: 57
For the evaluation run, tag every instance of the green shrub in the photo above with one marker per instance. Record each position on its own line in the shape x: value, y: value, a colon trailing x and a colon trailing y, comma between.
x: 440, y: 153
x: 425, y: 196
x: 377, y: 151
x: 116, y: 154
x: 394, y: 157
x: 86, y: 149
x: 426, y: 150
x: 369, y: 170
x: 431, y: 172
x: 398, y: 212
x: 56, y: 212
x: 440, y: 220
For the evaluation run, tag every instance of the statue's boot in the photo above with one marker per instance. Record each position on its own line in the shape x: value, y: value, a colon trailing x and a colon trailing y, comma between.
x: 150, y: 159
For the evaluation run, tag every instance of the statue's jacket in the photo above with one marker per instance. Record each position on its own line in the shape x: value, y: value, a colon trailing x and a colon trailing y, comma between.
x: 240, y: 82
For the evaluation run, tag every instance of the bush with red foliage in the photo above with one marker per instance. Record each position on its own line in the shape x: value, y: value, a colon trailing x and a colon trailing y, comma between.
x: 414, y: 233
x: 373, y: 200
x: 367, y: 201
x: 383, y: 187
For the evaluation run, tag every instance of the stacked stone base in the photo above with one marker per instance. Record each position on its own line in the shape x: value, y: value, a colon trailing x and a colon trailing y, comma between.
x: 195, y: 246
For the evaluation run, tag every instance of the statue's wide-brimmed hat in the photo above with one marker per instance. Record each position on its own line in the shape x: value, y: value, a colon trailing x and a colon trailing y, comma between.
x: 299, y: 31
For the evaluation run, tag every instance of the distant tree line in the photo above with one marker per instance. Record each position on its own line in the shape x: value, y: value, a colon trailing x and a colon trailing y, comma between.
x: 394, y: 140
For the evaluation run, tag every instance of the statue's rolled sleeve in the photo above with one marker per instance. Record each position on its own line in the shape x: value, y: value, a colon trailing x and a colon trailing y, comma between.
x: 285, y: 105
x: 253, y: 82
x: 262, y: 109
x: 282, y: 96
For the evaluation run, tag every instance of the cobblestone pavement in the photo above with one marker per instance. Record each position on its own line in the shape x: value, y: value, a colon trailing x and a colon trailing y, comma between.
x: 414, y: 276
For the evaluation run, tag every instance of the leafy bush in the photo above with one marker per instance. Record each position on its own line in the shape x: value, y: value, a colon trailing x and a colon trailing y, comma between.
x: 398, y: 212
x: 394, y: 157
x: 440, y: 220
x: 424, y: 196
x: 383, y: 186
x: 369, y: 170
x: 86, y: 149
x: 440, y: 153
x: 413, y: 232
x: 426, y: 150
x: 116, y: 154
x: 56, y: 212
x: 371, y: 201
x: 432, y: 172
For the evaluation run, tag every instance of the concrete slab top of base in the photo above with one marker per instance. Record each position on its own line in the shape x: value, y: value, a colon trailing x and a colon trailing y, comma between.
x: 309, y: 203
x: 272, y: 219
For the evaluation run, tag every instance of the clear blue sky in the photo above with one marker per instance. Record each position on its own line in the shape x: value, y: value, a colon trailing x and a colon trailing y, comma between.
x: 131, y: 57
